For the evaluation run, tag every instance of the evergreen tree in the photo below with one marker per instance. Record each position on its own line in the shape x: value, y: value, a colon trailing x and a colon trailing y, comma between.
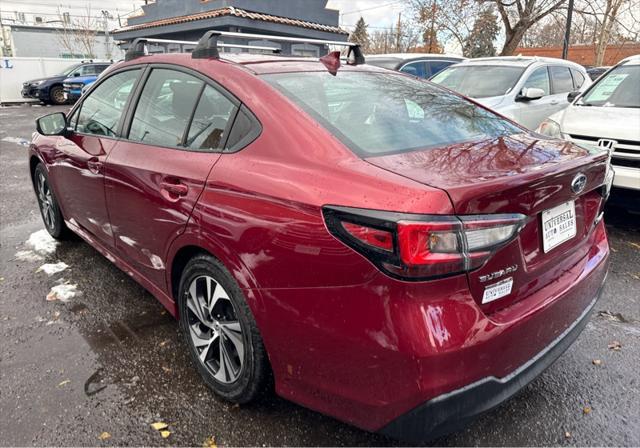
x: 360, y: 34
x: 479, y: 43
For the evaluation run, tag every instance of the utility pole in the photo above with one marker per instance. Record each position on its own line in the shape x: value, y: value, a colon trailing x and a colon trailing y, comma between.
x: 399, y: 33
x: 567, y: 31
x: 105, y: 22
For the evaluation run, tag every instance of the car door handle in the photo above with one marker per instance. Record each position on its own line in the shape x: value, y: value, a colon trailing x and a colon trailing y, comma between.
x: 94, y: 165
x: 178, y: 189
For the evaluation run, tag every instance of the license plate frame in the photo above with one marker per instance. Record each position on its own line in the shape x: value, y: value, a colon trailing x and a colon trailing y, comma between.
x: 558, y: 225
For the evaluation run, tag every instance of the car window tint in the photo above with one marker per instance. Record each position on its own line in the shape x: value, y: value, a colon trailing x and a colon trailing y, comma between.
x: 102, y: 108
x: 578, y: 79
x: 210, y: 120
x: 416, y: 69
x: 436, y: 67
x: 561, y: 79
x: 165, y: 108
x: 376, y: 113
x: 246, y: 129
x: 539, y: 79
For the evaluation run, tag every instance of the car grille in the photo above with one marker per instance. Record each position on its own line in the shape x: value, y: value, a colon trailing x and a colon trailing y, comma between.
x: 625, y: 152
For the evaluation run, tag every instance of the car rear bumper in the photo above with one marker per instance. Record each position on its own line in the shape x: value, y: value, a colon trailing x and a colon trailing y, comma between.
x: 453, y: 410
x: 626, y: 177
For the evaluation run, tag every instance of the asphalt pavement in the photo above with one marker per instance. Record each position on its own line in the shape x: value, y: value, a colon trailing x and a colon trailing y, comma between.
x: 103, y: 366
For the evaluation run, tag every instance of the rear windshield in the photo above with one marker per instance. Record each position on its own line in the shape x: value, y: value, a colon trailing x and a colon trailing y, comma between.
x: 376, y: 113
x: 618, y: 88
x: 479, y: 81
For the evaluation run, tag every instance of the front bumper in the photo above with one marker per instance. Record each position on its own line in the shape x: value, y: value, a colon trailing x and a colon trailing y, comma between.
x: 450, y: 411
x: 33, y: 93
x: 626, y: 177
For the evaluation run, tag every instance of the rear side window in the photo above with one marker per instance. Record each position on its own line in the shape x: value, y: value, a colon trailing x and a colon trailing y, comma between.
x: 561, y: 79
x: 416, y: 69
x: 102, y: 109
x: 539, y: 79
x: 165, y: 108
x: 578, y: 79
x: 376, y: 113
x: 210, y: 120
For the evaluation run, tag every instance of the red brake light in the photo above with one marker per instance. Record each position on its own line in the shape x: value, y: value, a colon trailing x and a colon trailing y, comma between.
x: 420, y: 247
x: 373, y: 237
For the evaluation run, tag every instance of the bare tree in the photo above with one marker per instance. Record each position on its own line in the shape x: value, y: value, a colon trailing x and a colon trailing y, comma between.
x: 78, y: 35
x: 518, y: 16
x: 445, y: 19
x: 66, y: 35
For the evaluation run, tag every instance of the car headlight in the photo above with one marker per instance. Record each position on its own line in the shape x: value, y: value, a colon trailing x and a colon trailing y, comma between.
x: 550, y: 128
x: 37, y: 83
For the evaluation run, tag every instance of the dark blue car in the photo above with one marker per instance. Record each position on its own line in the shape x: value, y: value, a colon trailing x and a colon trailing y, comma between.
x: 50, y: 89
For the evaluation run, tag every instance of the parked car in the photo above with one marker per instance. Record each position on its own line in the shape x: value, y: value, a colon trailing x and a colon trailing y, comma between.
x: 382, y: 249
x: 524, y: 89
x: 74, y: 85
x: 607, y: 115
x: 50, y: 89
x: 595, y: 72
x: 422, y: 65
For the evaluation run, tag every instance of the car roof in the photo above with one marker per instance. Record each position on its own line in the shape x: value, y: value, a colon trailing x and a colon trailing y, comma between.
x: 408, y: 56
x: 518, y: 61
x: 631, y: 60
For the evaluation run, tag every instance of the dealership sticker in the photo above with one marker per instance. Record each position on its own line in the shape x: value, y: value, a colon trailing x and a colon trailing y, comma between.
x: 497, y: 290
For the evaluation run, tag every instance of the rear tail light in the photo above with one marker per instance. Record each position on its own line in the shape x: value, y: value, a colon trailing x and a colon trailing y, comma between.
x: 420, y: 247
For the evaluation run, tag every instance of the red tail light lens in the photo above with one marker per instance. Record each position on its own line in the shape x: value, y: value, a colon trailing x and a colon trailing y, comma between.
x: 418, y: 247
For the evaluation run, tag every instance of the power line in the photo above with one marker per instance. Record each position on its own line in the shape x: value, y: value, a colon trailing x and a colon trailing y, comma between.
x: 369, y: 9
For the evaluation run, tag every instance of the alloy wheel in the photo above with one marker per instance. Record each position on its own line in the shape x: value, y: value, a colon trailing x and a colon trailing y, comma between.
x: 214, y: 329
x: 45, y: 198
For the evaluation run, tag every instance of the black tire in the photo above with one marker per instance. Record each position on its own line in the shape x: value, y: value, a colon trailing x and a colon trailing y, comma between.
x: 254, y: 376
x: 48, y: 204
x: 56, y: 95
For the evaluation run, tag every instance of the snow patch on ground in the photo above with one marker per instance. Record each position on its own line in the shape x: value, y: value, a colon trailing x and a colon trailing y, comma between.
x: 53, y: 268
x: 28, y: 255
x: 42, y: 242
x: 63, y: 292
x: 16, y: 140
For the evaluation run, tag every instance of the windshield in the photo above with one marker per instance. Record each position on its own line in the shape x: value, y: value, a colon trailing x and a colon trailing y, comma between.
x: 618, y: 88
x: 380, y: 113
x: 70, y: 70
x: 479, y: 81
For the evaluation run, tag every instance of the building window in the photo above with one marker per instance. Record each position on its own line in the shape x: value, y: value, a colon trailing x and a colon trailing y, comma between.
x: 263, y: 43
x: 305, y: 50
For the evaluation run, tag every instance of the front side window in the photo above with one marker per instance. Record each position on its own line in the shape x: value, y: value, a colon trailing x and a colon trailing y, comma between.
x: 380, y: 113
x: 165, y: 108
x: 561, y: 79
x: 479, y: 81
x: 618, y: 88
x: 539, y: 79
x: 210, y: 120
x: 101, y: 111
x: 416, y: 69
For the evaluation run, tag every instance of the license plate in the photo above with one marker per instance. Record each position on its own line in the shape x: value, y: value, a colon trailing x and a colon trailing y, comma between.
x: 558, y: 225
x: 497, y: 290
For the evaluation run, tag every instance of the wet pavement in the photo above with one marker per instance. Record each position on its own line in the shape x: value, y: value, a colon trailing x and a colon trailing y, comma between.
x: 110, y: 359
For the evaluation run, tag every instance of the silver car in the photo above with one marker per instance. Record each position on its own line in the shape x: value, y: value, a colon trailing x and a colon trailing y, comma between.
x: 525, y: 89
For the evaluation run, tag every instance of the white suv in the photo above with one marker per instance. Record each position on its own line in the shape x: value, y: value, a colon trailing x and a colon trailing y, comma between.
x: 607, y: 115
x: 525, y: 89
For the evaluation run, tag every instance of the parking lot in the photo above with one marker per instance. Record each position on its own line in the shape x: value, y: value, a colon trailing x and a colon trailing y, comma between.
x: 110, y: 359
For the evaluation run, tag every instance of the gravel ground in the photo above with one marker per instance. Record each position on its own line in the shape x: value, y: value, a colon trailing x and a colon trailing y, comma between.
x: 111, y: 360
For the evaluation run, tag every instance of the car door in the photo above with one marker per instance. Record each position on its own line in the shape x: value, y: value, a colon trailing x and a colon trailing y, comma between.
x: 532, y: 112
x: 155, y: 176
x: 561, y: 85
x: 78, y: 167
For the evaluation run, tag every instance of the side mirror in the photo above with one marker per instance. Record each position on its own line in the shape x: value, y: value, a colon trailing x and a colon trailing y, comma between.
x: 530, y: 93
x: 52, y: 124
x: 573, y: 95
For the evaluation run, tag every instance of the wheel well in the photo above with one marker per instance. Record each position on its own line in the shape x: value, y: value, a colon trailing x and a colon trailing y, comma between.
x: 33, y: 163
x: 180, y: 261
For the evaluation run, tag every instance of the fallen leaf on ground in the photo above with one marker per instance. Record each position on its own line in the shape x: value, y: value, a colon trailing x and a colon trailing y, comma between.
x: 597, y: 362
x: 163, y: 343
x: 159, y: 425
x: 166, y: 369
x: 164, y: 433
x: 615, y: 345
x: 210, y: 442
x: 104, y: 436
x: 636, y: 245
x: 586, y: 410
x: 613, y: 249
x: 567, y: 434
x: 64, y: 382
x: 615, y: 317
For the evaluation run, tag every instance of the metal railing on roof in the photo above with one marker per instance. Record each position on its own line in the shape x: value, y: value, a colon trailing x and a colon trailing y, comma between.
x: 208, y: 45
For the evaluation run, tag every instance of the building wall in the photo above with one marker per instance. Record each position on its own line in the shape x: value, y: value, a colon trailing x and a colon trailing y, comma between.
x: 585, y: 54
x: 44, y: 43
x: 309, y: 10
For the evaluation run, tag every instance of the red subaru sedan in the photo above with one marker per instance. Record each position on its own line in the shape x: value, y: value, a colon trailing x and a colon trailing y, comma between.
x: 375, y: 247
